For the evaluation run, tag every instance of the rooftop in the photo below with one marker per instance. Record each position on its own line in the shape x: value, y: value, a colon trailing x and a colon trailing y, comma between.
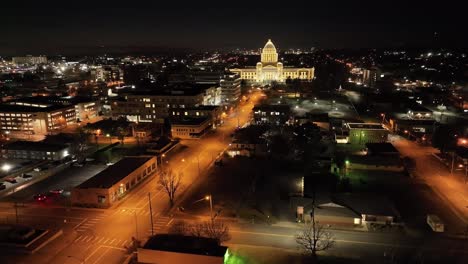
x: 371, y: 126
x: 189, y: 121
x: 113, y: 174
x: 29, y: 109
x: 377, y: 148
x: 185, y: 244
x: 33, y: 146
x: 203, y: 107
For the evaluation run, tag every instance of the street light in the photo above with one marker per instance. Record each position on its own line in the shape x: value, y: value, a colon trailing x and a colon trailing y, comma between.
x: 6, y: 167
x: 210, y: 198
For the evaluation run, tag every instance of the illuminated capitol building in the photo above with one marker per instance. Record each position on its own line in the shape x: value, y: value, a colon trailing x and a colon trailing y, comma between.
x: 270, y: 70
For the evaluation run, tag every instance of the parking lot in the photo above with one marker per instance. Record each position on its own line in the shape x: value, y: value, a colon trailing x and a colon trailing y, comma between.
x: 65, y: 178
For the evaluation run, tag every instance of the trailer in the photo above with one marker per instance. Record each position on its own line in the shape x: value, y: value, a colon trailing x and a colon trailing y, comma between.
x: 435, y: 223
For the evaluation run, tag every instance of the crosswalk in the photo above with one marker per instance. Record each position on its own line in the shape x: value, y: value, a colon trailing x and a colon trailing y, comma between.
x: 89, y: 223
x: 133, y: 211
x: 160, y: 224
x: 102, y: 240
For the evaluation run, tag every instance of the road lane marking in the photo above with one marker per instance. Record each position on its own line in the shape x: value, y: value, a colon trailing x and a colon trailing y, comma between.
x: 78, y: 239
x: 110, y: 243
x: 84, y: 220
x: 101, y: 239
x: 106, y: 240
x: 170, y: 221
x: 124, y: 243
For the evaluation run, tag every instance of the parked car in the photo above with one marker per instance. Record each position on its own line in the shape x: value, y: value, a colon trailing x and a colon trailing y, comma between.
x: 2, y: 186
x: 38, y: 169
x: 10, y: 180
x: 40, y: 197
x: 77, y: 164
x: 26, y: 176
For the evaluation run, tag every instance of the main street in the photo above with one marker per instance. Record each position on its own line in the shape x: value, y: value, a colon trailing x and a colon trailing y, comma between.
x: 450, y: 189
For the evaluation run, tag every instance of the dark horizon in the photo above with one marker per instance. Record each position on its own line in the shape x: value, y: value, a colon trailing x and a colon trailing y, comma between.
x: 93, y: 28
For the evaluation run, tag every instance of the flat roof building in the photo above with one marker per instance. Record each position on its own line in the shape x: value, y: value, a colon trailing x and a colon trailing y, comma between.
x: 190, y: 128
x: 362, y: 133
x: 106, y: 187
x: 34, y: 151
x: 173, y: 249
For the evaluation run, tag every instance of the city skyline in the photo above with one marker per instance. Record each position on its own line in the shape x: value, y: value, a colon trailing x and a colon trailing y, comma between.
x: 48, y: 29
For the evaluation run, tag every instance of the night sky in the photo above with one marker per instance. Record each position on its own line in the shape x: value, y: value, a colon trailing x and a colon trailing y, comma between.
x: 93, y: 26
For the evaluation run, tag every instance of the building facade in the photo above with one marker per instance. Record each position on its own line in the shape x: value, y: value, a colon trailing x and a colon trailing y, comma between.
x: 230, y: 89
x: 31, y: 150
x: 190, y: 128
x: 269, y: 70
x: 30, y: 60
x: 155, y: 107
x: 362, y: 133
x: 108, y: 186
x: 20, y: 120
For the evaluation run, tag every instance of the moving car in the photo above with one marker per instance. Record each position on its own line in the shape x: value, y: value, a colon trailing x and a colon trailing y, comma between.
x: 56, y: 191
x: 40, y: 197
x: 77, y: 164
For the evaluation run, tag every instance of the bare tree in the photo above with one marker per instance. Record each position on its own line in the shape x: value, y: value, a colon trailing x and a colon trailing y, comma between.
x: 210, y: 229
x: 171, y: 182
x: 216, y: 230
x: 314, y: 237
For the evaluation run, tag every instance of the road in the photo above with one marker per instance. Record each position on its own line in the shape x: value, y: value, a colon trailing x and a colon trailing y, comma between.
x: 450, y: 189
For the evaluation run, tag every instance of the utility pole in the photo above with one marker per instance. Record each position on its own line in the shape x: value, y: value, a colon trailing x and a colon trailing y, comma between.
x: 151, y: 213
x: 453, y: 162
x: 16, y: 212
x: 136, y: 225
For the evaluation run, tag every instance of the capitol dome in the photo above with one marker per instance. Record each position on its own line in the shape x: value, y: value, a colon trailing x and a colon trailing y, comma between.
x: 269, y: 54
x: 269, y: 47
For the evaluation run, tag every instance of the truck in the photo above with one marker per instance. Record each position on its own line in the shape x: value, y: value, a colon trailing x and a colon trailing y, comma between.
x: 435, y: 223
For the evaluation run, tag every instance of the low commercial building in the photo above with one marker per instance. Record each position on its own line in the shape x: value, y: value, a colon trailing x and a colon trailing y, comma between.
x: 34, y: 151
x: 190, y: 128
x: 172, y: 249
x: 271, y: 114
x: 105, y: 188
x: 362, y: 133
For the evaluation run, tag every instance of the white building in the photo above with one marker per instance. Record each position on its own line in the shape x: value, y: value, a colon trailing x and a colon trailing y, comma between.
x: 270, y: 70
